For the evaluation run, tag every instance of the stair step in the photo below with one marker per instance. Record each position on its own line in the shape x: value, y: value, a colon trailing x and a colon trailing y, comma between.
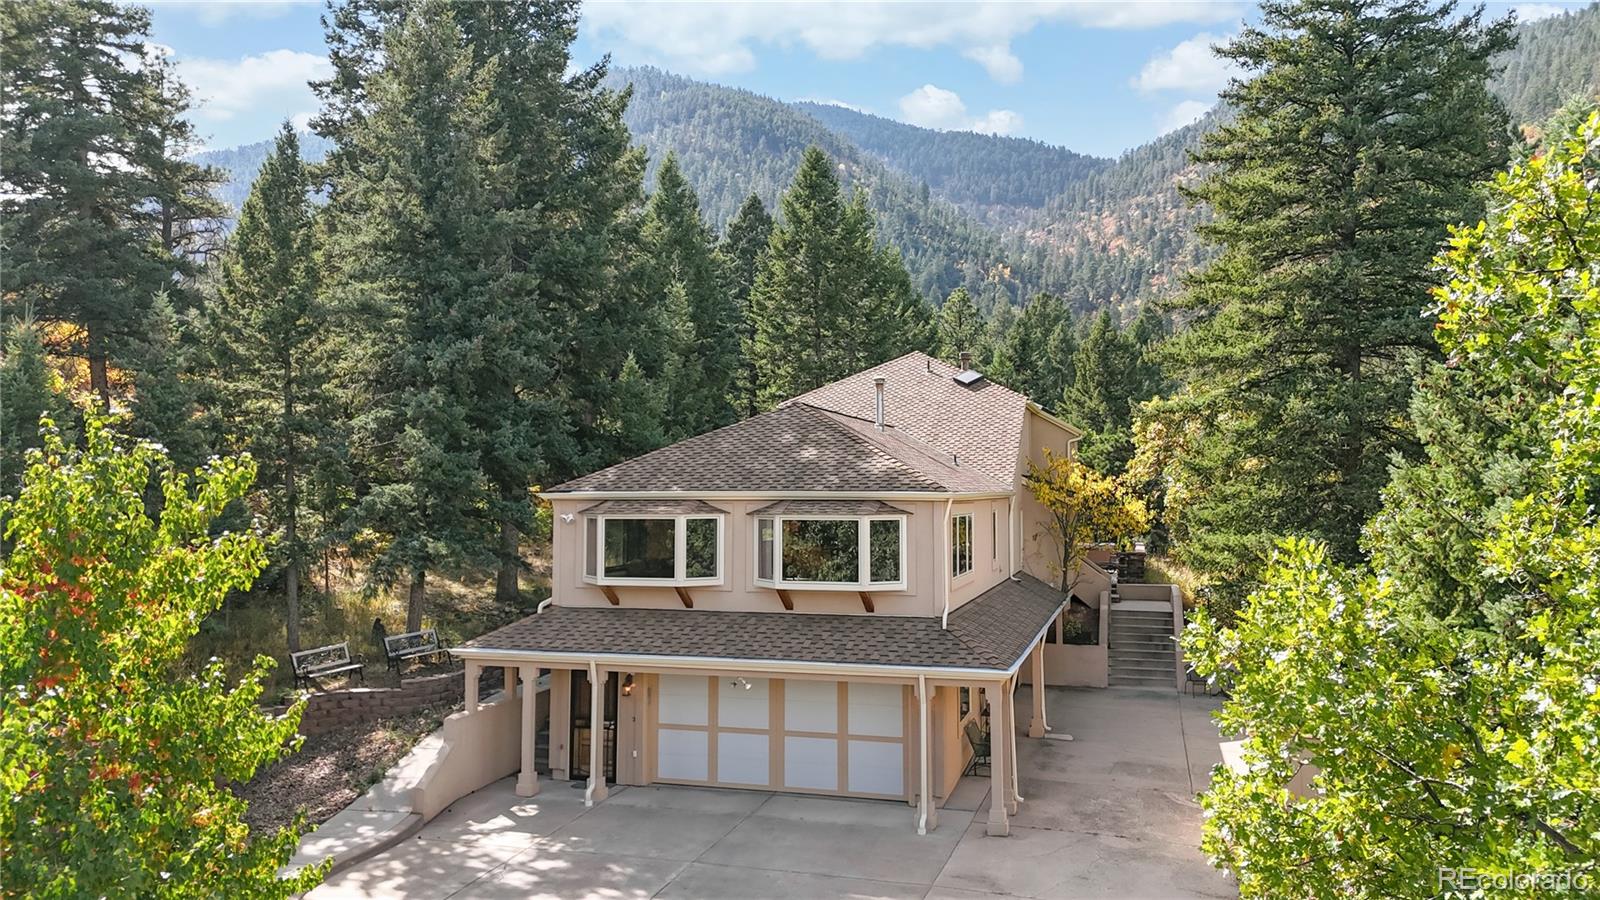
x: 1140, y: 632
x: 1152, y: 615
x: 1138, y: 656
x: 1143, y: 642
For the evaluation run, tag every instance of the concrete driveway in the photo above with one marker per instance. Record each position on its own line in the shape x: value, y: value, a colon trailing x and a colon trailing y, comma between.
x: 1109, y: 814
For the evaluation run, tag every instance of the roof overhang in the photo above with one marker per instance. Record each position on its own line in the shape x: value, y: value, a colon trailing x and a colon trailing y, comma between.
x: 652, y: 508
x: 1053, y: 420
x: 775, y: 495
x: 768, y: 666
x: 829, y: 508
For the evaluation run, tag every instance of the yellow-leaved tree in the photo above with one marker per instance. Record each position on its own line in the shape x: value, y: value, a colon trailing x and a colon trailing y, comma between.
x: 1085, y: 508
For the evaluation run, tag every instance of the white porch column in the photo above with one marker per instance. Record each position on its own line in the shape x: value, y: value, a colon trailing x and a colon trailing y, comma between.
x: 1037, y: 727
x: 528, y: 778
x: 927, y: 813
x: 999, y: 823
x: 1013, y: 797
x: 597, y: 741
x: 471, y: 674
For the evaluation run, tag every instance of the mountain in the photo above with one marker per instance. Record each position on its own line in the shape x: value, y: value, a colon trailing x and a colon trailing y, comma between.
x: 243, y: 162
x: 1005, y: 217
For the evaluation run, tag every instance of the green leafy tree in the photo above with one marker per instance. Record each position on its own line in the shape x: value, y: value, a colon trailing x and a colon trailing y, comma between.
x: 1440, y: 737
x: 1358, y: 138
x: 682, y: 258
x: 90, y: 171
x: 274, y: 374
x: 743, y: 246
x: 960, y: 326
x: 117, y: 759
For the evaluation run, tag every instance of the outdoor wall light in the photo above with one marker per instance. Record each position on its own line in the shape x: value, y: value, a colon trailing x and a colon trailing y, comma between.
x: 740, y: 682
x: 567, y: 518
x: 627, y: 685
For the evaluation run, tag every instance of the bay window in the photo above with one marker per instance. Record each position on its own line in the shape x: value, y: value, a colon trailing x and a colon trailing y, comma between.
x: 644, y: 550
x: 854, y: 553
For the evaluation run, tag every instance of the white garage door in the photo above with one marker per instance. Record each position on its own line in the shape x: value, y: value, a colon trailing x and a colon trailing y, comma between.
x: 834, y: 738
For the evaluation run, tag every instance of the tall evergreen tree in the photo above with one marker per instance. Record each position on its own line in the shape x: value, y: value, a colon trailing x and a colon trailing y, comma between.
x: 682, y: 259
x: 1035, y: 354
x: 88, y: 109
x: 1357, y: 140
x: 563, y: 197
x: 828, y: 299
x: 164, y: 407
x: 275, y: 375
x: 28, y: 390
x: 743, y: 246
x: 960, y: 326
x: 1110, y: 377
x: 415, y: 252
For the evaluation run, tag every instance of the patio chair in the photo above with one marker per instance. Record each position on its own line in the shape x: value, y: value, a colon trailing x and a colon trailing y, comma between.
x: 979, y: 739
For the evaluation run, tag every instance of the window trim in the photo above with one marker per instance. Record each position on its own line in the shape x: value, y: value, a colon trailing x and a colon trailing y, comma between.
x: 680, y: 545
x: 863, y: 554
x: 954, y: 554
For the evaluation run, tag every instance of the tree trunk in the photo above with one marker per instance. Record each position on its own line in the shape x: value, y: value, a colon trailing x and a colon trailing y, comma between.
x: 291, y: 524
x: 414, y: 601
x: 506, y: 589
x: 99, y: 379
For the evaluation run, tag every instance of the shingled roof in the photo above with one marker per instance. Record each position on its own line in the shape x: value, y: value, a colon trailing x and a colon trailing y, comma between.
x: 980, y: 425
x: 991, y: 632
x: 796, y: 447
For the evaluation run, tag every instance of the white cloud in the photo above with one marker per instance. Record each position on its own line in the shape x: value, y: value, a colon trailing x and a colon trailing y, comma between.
x: 1001, y: 64
x: 268, y: 82
x: 1190, y: 67
x: 301, y: 121
x: 719, y: 37
x: 1533, y: 12
x: 1183, y: 114
x: 931, y: 106
x: 829, y: 101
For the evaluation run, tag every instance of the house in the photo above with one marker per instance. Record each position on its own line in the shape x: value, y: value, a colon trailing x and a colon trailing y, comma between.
x: 827, y: 598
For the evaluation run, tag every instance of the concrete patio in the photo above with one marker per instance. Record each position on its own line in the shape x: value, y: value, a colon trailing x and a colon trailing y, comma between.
x: 1108, y: 814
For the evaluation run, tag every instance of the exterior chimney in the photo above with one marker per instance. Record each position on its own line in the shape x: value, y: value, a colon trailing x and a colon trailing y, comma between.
x: 966, y: 360
x: 877, y: 411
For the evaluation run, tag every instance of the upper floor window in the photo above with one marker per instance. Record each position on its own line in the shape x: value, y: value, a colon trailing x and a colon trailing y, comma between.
x: 853, y: 553
x: 643, y: 550
x: 960, y: 545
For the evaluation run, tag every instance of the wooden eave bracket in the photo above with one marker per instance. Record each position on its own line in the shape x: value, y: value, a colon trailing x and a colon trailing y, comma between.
x: 788, y: 601
x: 866, y: 601
x: 611, y: 594
x: 683, y: 594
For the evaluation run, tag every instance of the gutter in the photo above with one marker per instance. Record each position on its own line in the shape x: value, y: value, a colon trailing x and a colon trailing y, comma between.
x: 777, y: 667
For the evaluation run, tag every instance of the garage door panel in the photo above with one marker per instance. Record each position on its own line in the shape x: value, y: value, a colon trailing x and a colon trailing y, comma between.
x: 877, y: 767
x: 685, y: 700
x: 811, y: 763
x: 743, y: 759
x: 811, y: 706
x: 682, y: 755
x: 875, y: 709
x: 743, y: 707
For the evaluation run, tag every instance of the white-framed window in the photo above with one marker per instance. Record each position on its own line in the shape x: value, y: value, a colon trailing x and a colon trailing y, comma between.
x: 960, y: 545
x: 652, y: 550
x: 824, y: 552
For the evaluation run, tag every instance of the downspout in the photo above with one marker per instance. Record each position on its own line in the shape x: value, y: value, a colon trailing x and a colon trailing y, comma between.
x: 944, y: 567
x: 924, y: 756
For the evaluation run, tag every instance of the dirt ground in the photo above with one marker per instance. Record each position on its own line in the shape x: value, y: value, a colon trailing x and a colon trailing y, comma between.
x: 332, y: 769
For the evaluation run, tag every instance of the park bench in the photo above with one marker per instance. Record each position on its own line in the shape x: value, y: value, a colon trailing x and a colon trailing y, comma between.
x: 321, y: 662
x: 411, y: 645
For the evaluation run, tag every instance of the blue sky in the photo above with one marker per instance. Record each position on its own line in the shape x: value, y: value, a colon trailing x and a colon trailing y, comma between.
x: 1096, y: 77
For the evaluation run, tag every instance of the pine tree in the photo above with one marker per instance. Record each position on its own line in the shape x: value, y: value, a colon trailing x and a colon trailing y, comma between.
x: 960, y: 326
x: 1035, y: 354
x: 275, y: 376
x: 164, y: 408
x: 1105, y: 386
x: 682, y: 259
x: 83, y: 131
x: 1356, y: 142
x: 743, y: 246
x: 416, y: 246
x: 28, y: 391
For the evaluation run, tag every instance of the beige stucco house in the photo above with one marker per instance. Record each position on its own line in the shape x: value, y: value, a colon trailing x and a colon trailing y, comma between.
x: 818, y: 599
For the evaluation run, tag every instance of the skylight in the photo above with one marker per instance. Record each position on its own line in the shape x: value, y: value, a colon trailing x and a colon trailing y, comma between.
x: 968, y: 378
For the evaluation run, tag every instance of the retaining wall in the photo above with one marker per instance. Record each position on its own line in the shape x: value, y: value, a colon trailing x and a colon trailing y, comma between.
x: 327, y: 710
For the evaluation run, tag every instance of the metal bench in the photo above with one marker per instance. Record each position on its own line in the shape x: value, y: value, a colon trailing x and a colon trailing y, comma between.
x: 411, y: 645
x: 321, y: 662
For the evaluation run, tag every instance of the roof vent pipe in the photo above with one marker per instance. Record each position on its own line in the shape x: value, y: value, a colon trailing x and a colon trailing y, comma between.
x: 877, y: 410
x: 966, y: 360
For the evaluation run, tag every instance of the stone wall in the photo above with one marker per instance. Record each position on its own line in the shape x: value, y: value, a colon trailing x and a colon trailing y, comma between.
x: 327, y: 710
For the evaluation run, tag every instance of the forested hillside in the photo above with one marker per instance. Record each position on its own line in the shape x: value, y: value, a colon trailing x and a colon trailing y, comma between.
x: 1003, y: 217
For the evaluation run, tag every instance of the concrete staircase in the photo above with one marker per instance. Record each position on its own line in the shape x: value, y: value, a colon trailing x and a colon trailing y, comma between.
x: 1142, y: 651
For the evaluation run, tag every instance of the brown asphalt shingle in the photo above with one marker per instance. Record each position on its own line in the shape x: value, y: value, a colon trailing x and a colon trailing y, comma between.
x: 992, y: 631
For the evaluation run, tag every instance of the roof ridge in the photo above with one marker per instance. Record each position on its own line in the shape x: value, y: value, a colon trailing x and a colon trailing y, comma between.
x: 823, y: 415
x: 913, y: 443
